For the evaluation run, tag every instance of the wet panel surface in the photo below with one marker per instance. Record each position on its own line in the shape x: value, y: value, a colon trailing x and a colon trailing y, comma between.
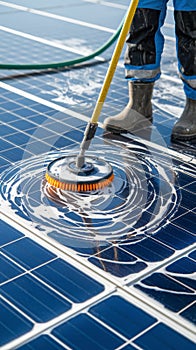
x: 174, y: 287
x: 63, y: 255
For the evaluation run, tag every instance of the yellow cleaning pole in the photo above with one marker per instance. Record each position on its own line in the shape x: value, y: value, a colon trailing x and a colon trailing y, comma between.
x: 92, y: 125
x: 114, y: 60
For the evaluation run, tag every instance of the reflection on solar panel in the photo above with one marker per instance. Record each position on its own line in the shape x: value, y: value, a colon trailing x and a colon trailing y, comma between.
x: 108, y: 270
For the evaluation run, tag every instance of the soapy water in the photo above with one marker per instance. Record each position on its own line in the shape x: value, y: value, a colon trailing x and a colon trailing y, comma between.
x: 71, y: 87
x: 140, y: 200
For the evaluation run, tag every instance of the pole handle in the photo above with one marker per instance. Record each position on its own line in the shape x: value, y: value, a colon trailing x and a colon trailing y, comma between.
x: 114, y: 61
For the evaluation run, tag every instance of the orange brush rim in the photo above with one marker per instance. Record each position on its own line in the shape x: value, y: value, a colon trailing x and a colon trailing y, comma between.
x: 79, y: 187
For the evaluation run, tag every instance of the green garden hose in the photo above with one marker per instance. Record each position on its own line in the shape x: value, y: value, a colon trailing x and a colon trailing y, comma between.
x: 70, y: 62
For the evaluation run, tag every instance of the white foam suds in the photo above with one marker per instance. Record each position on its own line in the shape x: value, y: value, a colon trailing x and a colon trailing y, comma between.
x: 140, y: 200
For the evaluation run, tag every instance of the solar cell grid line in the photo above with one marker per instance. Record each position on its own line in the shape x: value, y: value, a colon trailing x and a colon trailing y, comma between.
x: 54, y: 15
x: 164, y: 121
x: 45, y: 131
x: 54, y: 106
x: 12, y: 316
x: 117, y: 321
x: 151, y: 241
x: 41, y: 45
x: 35, y: 54
x: 56, y: 39
x: 107, y: 287
x: 39, y: 100
x: 25, y: 125
x: 119, y: 5
x: 36, y: 266
x: 173, y: 287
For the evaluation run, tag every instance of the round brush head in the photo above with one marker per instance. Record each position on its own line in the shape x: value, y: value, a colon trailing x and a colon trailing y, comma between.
x: 64, y: 174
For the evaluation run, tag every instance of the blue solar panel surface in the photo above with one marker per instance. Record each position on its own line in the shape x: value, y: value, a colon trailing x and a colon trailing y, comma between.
x: 109, y: 271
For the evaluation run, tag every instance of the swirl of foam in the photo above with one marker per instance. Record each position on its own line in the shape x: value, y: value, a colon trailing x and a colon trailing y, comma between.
x: 140, y: 200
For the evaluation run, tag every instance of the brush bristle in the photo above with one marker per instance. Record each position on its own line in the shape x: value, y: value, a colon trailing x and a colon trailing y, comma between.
x: 74, y: 187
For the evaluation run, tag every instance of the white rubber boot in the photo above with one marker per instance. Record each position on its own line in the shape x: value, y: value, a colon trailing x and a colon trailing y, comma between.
x: 137, y: 110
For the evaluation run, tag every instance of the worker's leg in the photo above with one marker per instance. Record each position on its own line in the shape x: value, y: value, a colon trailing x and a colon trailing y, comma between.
x: 142, y: 64
x: 185, y: 22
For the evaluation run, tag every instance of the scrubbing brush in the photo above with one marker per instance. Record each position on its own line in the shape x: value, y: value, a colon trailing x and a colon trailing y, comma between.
x: 84, y: 174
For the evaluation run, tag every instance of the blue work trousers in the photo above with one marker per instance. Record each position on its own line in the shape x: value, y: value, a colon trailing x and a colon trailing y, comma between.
x: 145, y: 42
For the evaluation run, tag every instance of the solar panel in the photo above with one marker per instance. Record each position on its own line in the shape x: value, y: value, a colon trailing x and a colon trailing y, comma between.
x: 113, y: 270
